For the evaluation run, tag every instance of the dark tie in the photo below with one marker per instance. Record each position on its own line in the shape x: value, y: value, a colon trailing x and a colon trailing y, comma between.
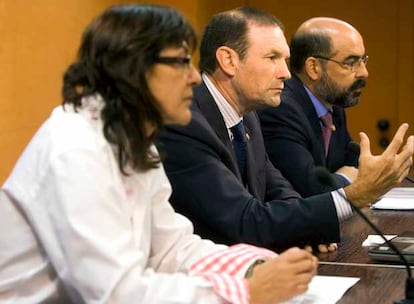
x: 327, y: 128
x: 239, y: 145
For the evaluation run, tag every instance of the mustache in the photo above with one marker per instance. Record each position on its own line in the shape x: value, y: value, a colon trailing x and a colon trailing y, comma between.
x: 359, y: 84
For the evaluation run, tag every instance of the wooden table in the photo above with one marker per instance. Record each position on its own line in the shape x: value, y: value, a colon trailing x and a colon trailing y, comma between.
x: 379, y: 283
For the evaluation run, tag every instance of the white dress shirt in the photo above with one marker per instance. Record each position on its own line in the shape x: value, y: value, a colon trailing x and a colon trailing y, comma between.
x: 72, y: 226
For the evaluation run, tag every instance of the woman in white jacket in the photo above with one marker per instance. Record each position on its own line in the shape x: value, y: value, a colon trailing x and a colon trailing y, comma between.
x: 84, y: 215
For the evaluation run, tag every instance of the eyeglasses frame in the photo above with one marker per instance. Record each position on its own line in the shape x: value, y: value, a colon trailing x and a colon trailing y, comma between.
x: 181, y: 61
x: 348, y: 65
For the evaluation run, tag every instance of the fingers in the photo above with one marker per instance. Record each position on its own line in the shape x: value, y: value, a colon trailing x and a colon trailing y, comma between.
x: 333, y: 247
x: 410, y: 142
x: 404, y: 159
x: 397, y: 140
x: 407, y: 151
x: 300, y: 260
x: 323, y: 248
x: 406, y: 166
x: 404, y: 175
x: 303, y: 279
x: 328, y: 247
x: 308, y: 248
x: 301, y: 288
x: 283, y: 277
x: 295, y: 254
x: 315, y: 262
x: 365, y: 145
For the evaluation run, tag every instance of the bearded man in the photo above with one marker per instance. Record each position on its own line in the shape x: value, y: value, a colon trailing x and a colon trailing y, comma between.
x: 308, y: 130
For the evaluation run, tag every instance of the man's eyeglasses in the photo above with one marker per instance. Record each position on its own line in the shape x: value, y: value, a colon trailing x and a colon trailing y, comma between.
x: 184, y: 62
x: 350, y: 64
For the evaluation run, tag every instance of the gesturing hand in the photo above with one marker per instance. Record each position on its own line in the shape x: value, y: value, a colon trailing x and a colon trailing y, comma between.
x: 379, y: 173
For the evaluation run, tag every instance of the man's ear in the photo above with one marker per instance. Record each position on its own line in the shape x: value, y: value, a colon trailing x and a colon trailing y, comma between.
x: 227, y: 59
x: 313, y: 68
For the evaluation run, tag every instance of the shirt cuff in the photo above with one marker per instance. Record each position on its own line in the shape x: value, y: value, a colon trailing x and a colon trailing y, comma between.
x: 226, y: 269
x: 345, y: 177
x: 343, y: 208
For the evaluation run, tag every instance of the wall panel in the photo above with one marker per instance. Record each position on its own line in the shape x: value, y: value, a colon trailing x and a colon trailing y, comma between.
x: 387, y: 28
x: 40, y: 38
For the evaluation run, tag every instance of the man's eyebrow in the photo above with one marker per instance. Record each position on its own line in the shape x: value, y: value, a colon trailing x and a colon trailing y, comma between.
x: 274, y: 53
x: 353, y: 57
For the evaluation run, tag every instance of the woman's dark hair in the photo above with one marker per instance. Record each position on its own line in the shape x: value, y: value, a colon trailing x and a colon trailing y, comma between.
x: 230, y: 29
x: 116, y: 51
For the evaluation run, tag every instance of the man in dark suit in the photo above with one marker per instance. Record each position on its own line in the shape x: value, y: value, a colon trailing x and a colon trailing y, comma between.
x: 234, y: 194
x: 328, y: 62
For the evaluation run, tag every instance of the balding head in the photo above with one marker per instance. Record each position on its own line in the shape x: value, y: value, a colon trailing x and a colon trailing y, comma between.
x: 325, y: 25
x: 328, y: 56
x: 322, y: 36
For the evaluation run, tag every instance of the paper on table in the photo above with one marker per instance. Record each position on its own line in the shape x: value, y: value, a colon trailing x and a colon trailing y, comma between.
x: 399, y: 198
x: 400, y: 192
x: 324, y: 290
x: 375, y: 239
x: 394, y: 204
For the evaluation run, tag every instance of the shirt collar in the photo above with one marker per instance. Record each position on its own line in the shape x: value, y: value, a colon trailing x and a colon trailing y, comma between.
x: 321, y: 110
x: 230, y: 115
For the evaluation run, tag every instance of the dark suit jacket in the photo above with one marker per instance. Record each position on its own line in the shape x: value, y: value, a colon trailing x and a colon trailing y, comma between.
x: 294, y: 141
x: 208, y: 188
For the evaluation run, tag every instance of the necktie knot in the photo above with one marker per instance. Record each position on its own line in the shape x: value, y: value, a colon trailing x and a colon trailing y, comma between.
x: 238, y: 132
x: 327, y: 120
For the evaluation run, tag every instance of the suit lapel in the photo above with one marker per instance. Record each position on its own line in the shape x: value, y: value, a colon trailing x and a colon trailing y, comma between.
x: 211, y: 112
x: 208, y: 108
x: 297, y: 88
x: 250, y: 179
x: 335, y: 138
